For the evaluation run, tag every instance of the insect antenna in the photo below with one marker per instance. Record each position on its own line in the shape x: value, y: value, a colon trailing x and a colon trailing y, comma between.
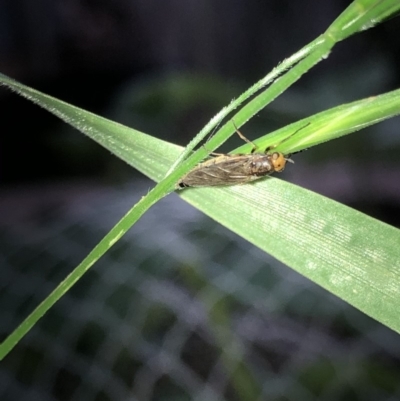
x: 285, y: 139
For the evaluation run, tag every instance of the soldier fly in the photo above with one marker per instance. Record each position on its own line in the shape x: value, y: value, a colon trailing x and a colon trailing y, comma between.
x: 231, y: 169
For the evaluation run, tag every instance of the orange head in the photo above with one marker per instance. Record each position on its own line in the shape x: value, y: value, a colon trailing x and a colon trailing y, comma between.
x: 278, y: 160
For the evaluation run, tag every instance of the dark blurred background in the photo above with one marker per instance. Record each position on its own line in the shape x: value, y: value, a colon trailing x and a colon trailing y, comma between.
x: 165, y: 68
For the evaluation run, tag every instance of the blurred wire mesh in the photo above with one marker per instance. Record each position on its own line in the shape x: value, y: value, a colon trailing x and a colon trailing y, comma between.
x: 180, y: 309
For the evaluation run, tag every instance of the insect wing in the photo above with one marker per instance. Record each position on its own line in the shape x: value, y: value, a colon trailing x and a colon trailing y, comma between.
x: 227, y: 170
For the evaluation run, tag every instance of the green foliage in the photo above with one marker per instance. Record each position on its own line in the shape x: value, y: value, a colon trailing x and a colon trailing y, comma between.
x: 350, y: 254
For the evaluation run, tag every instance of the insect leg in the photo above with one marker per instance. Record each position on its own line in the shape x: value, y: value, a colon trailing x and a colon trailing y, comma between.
x: 244, y: 138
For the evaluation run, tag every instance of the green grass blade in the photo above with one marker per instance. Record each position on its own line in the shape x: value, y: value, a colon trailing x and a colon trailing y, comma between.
x: 100, y: 249
x: 255, y: 213
x: 348, y: 253
x: 140, y: 150
x: 130, y: 145
x: 330, y: 124
x: 281, y: 69
x: 361, y: 15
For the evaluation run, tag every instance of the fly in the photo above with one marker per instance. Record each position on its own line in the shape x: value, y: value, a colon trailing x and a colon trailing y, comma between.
x: 231, y: 169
